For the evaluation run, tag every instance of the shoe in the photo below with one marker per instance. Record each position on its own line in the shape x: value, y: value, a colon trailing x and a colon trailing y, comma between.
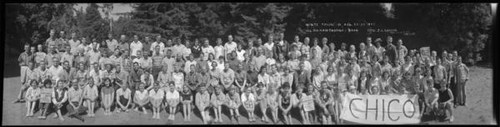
x: 452, y: 118
x: 16, y: 101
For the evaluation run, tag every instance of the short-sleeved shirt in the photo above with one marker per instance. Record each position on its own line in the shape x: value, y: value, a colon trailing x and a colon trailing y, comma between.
x: 227, y: 76
x: 156, y: 94
x: 172, y: 95
x: 125, y: 93
x: 134, y: 47
x: 74, y: 95
x: 141, y: 94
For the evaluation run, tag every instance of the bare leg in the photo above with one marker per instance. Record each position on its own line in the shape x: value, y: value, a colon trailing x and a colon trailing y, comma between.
x: 28, y: 106
x: 219, y: 108
x: 32, y: 108
x: 189, y: 112
x: 60, y: 116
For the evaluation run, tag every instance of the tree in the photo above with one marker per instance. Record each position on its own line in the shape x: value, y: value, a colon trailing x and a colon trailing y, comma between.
x: 462, y: 27
x: 93, y: 25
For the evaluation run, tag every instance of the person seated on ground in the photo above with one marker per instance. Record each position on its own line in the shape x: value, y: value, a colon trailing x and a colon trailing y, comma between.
x: 186, y: 99
x: 172, y: 97
x: 141, y: 98
x: 262, y: 100
x: 123, y: 97
x: 248, y: 100
x: 308, y: 104
x: 156, y: 96
x: 32, y: 96
x: 217, y: 99
x: 202, y: 102
x: 59, y: 97
x: 431, y: 98
x: 45, y: 98
x: 285, y: 103
x: 90, y: 95
x: 107, y: 96
x: 323, y: 101
x: 272, y: 102
x: 233, y: 104
x: 75, y: 98
x: 444, y: 101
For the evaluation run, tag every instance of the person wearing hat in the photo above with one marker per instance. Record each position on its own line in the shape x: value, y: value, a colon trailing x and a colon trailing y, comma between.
x: 202, y: 102
x: 379, y: 49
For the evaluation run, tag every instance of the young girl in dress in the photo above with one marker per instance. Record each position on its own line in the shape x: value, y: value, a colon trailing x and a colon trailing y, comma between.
x: 172, y: 98
x: 248, y: 100
x: 187, y: 99
x: 32, y: 96
x: 108, y: 94
x: 285, y: 103
x: 234, y: 104
x: 262, y: 100
x: 202, y: 103
x: 272, y: 102
x: 384, y: 83
x: 90, y: 95
x: 363, y: 82
x: 217, y: 99
x: 307, y: 101
x: 45, y: 98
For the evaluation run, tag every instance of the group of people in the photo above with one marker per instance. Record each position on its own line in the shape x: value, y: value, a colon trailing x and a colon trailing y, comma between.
x: 249, y: 77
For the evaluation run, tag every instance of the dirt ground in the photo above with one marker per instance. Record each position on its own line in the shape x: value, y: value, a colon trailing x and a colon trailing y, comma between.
x: 479, y: 108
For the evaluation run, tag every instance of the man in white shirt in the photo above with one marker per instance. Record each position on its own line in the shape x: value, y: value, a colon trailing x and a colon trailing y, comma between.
x: 219, y: 49
x: 207, y: 49
x: 269, y: 45
x: 159, y: 43
x: 73, y: 43
x: 135, y: 46
x: 230, y: 46
x: 55, y: 70
x: 111, y: 42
